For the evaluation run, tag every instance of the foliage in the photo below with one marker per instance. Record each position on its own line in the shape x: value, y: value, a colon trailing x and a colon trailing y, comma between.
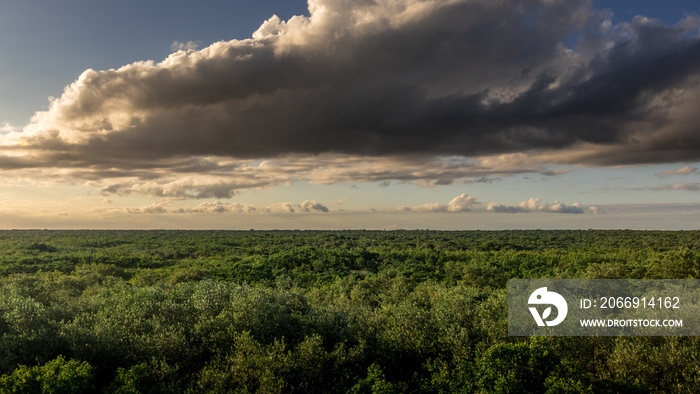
x: 313, y: 311
x: 56, y: 376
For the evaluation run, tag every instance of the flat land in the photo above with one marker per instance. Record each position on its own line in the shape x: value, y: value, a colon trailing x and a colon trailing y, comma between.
x: 320, y: 311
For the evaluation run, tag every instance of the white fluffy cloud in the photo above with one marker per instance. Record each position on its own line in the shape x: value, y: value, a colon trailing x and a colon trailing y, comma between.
x: 466, y: 203
x: 461, y: 203
x: 219, y: 207
x: 312, y: 205
x: 534, y: 205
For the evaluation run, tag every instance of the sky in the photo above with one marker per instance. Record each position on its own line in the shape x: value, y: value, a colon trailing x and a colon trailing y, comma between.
x: 340, y: 114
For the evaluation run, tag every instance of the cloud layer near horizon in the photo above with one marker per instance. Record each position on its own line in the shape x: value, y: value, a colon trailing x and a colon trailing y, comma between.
x: 410, y: 81
x: 460, y: 204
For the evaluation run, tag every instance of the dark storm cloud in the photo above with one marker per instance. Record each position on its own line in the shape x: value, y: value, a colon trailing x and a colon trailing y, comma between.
x: 380, y: 78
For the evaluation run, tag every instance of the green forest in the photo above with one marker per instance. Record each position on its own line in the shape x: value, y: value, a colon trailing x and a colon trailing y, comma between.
x: 321, y: 312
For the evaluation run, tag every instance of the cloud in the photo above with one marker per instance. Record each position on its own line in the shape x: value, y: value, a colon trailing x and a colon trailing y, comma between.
x: 500, y: 208
x: 282, y: 207
x: 156, y: 207
x: 306, y: 206
x: 311, y: 205
x: 6, y: 127
x: 219, y: 207
x: 688, y: 209
x: 559, y: 171
x: 400, y: 78
x: 533, y: 205
x: 389, y: 92
x: 339, y: 80
x: 690, y: 186
x: 466, y: 203
x: 189, y: 187
x: 461, y: 203
x: 185, y: 46
x: 558, y: 207
x: 220, y: 177
x: 681, y: 171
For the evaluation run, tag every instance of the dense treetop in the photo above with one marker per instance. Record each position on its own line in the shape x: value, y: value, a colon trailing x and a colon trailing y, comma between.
x: 320, y: 311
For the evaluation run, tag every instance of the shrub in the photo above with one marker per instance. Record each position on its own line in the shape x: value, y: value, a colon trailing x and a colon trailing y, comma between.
x: 516, y: 368
x: 56, y: 376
